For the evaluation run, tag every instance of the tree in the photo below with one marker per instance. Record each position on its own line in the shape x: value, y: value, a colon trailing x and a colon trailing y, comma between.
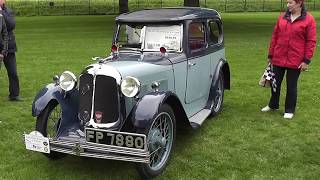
x: 123, y: 6
x: 191, y: 3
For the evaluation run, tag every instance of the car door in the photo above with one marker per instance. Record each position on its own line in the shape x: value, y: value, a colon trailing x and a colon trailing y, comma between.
x: 198, y: 69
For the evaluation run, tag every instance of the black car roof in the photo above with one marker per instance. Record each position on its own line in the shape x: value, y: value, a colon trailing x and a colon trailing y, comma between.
x: 168, y: 15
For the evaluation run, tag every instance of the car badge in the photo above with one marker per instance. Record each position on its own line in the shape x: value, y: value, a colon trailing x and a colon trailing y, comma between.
x: 85, y: 116
x: 98, y: 116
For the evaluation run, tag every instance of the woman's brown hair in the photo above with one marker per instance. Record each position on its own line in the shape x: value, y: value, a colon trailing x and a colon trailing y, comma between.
x: 299, y: 1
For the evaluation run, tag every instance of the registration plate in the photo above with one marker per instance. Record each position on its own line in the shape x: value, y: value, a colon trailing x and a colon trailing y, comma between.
x: 35, y: 141
x: 115, y: 138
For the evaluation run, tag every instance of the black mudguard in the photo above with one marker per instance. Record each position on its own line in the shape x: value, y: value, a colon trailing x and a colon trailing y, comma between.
x: 147, y: 107
x: 224, y: 67
x: 69, y: 103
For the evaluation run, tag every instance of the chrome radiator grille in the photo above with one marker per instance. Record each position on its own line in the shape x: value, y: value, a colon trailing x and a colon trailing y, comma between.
x: 104, y: 96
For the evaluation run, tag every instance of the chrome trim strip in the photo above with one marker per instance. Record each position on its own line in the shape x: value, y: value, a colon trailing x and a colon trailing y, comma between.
x: 105, y: 148
x: 92, y: 100
x: 106, y: 70
x: 103, y: 152
x: 181, y: 38
x: 103, y: 156
x: 142, y: 154
x: 120, y: 158
x: 104, y: 125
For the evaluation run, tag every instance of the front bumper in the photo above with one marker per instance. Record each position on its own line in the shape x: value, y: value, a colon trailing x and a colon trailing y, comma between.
x: 74, y: 143
x: 87, y: 149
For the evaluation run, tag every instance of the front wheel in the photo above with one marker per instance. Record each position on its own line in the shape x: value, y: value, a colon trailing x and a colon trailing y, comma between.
x: 160, y: 140
x: 48, y: 123
x: 217, y: 100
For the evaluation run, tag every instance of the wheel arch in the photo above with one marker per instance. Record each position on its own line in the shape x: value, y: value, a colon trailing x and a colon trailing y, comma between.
x: 178, y: 110
x: 223, y: 67
x: 226, y: 75
x: 69, y: 103
x: 148, y: 106
x: 43, y: 97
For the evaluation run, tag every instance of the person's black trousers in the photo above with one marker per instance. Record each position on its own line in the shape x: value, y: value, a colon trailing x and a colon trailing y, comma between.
x: 11, y: 66
x: 292, y: 77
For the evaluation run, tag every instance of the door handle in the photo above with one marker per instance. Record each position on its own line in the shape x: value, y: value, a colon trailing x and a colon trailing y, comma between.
x: 191, y: 64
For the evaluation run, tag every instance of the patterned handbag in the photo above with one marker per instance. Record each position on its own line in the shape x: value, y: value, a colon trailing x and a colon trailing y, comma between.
x: 268, y: 78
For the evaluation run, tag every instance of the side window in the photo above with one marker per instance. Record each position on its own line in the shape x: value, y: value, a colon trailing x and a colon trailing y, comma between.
x: 196, y: 39
x: 214, y: 32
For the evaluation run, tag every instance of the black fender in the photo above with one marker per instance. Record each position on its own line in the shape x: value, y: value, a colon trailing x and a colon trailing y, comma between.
x: 43, y: 97
x: 147, y: 108
x: 224, y: 67
x: 69, y: 103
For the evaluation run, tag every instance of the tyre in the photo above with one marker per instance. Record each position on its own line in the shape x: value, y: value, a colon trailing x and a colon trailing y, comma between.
x: 217, y: 100
x: 160, y: 139
x: 48, y: 123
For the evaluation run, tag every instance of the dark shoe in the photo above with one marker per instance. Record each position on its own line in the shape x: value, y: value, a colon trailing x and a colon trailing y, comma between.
x: 16, y: 98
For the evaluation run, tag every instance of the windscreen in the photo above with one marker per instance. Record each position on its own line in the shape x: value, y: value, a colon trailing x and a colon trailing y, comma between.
x: 150, y: 37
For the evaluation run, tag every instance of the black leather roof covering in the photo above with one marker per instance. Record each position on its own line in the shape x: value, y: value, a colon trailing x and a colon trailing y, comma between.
x: 167, y: 15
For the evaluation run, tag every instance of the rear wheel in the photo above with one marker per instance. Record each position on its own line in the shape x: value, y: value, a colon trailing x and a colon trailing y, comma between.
x: 160, y: 140
x: 217, y: 100
x: 48, y: 123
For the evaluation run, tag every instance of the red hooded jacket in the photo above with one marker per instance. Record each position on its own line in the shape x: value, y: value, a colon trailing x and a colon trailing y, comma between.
x: 293, y: 42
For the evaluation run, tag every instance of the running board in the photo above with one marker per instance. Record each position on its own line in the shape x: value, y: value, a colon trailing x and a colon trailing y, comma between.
x: 197, y: 119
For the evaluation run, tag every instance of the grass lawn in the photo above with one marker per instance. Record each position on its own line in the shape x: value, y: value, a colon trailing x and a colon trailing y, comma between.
x: 241, y: 143
x: 102, y: 7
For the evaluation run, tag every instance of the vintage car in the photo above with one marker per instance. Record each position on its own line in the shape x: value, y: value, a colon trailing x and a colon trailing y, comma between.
x: 167, y: 67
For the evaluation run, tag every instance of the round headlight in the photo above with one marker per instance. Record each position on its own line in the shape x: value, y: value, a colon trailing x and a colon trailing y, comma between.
x: 130, y: 86
x: 67, y: 81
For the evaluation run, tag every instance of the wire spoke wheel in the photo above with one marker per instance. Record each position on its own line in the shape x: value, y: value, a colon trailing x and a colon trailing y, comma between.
x: 53, y: 121
x: 217, y: 100
x: 160, y: 141
x: 48, y: 123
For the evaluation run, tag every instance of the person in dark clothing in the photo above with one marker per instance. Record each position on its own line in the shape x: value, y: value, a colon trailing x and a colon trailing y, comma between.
x: 291, y: 49
x: 9, y: 59
x: 3, y: 38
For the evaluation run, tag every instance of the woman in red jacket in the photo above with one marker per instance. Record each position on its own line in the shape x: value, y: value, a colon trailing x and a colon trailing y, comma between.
x: 291, y: 49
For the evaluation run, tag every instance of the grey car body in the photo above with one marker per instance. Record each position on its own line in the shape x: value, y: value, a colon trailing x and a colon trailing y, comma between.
x: 184, y: 83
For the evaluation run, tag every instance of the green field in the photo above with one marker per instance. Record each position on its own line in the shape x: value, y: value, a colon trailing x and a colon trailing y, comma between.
x: 241, y: 143
x: 102, y: 7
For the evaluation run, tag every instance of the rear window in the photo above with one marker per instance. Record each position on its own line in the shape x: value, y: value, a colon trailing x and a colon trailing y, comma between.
x: 215, y: 35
